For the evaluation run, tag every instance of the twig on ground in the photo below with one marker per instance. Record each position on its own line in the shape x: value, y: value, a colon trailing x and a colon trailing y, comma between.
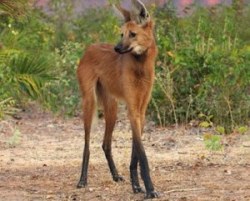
x: 184, y: 190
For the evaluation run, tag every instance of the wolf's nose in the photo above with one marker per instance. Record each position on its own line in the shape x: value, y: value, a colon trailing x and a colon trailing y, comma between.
x: 117, y: 48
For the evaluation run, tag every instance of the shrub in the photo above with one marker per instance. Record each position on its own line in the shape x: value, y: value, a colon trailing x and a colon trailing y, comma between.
x: 202, y: 67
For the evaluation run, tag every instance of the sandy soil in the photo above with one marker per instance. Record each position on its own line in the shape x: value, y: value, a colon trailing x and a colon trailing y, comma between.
x: 40, y: 159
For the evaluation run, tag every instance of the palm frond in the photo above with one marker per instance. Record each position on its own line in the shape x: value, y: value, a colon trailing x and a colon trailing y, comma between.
x: 31, y: 73
x: 7, y: 107
x: 13, y: 8
x: 5, y: 54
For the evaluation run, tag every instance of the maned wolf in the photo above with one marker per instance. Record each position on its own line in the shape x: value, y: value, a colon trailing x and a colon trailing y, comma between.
x: 123, y: 72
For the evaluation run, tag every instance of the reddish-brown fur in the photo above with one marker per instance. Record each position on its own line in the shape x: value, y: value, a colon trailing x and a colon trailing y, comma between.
x: 108, y: 76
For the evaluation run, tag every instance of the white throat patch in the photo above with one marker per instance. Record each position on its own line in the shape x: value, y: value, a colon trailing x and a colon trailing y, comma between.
x: 139, y: 50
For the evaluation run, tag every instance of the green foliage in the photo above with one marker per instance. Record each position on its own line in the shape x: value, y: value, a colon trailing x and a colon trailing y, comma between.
x: 27, y: 74
x: 14, y: 8
x: 63, y: 95
x: 25, y: 64
x: 202, y: 67
x: 213, y: 142
x: 6, y: 107
x: 220, y: 129
x: 96, y: 26
x: 205, y: 120
x: 62, y: 19
x: 242, y: 129
x: 23, y: 76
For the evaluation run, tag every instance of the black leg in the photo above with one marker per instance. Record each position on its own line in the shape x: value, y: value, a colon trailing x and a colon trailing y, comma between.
x: 145, y: 173
x: 88, y: 111
x: 112, y: 167
x: 134, y: 173
x: 141, y: 155
x: 83, y: 179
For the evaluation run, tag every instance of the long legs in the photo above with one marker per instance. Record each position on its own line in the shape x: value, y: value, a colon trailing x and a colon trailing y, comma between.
x: 137, y: 118
x: 110, y: 113
x: 136, y: 110
x: 88, y: 110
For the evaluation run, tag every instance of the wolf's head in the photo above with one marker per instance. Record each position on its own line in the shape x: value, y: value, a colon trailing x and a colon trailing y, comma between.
x: 137, y: 31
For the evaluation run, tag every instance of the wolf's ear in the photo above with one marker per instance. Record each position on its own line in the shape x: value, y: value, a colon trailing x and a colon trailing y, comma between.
x: 139, y: 12
x: 122, y: 13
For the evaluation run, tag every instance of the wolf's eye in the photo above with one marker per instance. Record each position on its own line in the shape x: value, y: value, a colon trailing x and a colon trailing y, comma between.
x: 132, y: 34
x: 122, y: 35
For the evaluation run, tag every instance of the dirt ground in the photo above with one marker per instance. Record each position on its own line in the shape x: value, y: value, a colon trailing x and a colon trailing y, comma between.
x: 40, y: 159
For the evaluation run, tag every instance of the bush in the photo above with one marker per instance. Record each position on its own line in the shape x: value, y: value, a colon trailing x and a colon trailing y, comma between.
x: 202, y: 67
x: 62, y: 95
x: 25, y: 62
